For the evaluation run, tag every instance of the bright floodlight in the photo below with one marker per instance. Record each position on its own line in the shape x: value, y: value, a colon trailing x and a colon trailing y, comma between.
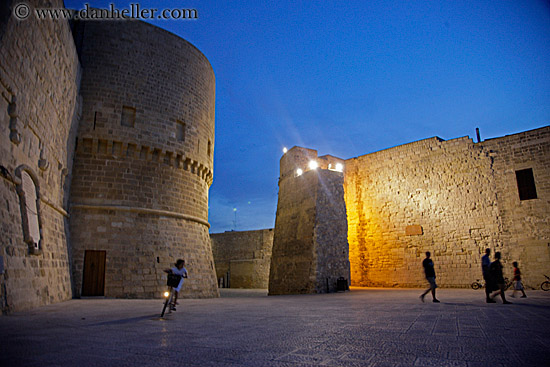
x: 313, y: 164
x: 339, y: 167
x: 299, y: 172
x: 285, y: 150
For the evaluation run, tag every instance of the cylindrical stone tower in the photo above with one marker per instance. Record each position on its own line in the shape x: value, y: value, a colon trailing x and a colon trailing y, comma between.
x: 143, y: 164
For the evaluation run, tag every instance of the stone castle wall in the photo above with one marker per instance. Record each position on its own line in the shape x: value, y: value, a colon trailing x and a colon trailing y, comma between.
x: 525, y: 223
x: 331, y: 230
x: 310, y: 250
x: 144, y: 159
x: 431, y: 195
x: 39, y: 79
x: 453, y: 198
x: 245, y: 256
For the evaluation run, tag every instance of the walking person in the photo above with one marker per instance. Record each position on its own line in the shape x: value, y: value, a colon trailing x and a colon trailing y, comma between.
x: 180, y: 270
x: 429, y: 271
x: 518, y: 285
x: 498, y: 278
x: 485, y: 265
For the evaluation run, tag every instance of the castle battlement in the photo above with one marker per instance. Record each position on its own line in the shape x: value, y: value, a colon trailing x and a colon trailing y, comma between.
x: 126, y: 150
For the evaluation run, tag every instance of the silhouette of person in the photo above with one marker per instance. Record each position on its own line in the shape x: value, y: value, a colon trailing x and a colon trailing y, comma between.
x: 498, y: 278
x: 518, y: 285
x: 485, y: 265
x: 429, y: 271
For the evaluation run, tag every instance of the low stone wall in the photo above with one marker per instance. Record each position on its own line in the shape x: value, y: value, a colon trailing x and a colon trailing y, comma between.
x: 242, y: 259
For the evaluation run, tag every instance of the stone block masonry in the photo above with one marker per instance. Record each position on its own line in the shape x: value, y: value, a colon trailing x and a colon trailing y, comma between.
x: 525, y: 223
x: 453, y: 198
x: 243, y: 258
x: 133, y: 106
x: 39, y: 112
x: 144, y: 161
x: 310, y: 248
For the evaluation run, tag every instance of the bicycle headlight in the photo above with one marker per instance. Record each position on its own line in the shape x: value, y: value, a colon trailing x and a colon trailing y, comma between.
x: 166, y: 294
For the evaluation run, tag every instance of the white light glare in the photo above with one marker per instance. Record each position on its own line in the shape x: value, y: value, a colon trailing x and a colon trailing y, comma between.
x: 339, y: 167
x: 285, y: 150
x: 166, y: 294
x: 299, y: 172
x: 313, y: 164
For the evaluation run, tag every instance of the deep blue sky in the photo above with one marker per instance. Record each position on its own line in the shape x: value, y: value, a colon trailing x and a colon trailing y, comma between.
x: 349, y: 78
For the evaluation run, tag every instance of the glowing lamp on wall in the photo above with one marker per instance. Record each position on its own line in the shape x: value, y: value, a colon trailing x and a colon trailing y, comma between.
x: 339, y: 167
x: 313, y: 165
x: 299, y: 172
x: 285, y: 150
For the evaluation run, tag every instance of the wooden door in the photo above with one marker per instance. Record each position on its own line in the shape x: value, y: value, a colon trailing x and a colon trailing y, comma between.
x: 93, y: 283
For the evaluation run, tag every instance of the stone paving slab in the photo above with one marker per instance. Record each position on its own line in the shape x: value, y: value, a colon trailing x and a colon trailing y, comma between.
x: 365, y: 327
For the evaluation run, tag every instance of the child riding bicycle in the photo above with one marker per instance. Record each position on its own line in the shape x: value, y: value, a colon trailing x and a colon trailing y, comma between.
x: 180, y: 270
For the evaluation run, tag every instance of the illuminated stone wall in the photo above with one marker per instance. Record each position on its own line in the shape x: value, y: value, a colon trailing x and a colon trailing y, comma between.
x: 144, y: 161
x: 39, y: 78
x: 525, y: 223
x: 453, y: 198
x: 310, y: 249
x: 243, y: 255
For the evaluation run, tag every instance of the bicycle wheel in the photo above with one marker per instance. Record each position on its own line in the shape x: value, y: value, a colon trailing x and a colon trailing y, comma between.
x: 475, y: 285
x: 166, y: 303
x: 545, y: 286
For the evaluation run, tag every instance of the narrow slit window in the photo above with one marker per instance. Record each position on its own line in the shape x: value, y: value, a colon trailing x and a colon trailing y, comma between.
x: 128, y: 117
x: 526, y: 184
x: 209, y: 148
x: 180, y: 131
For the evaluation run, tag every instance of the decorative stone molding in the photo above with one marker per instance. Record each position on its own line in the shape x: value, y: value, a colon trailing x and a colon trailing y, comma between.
x: 29, y: 198
x: 158, y: 212
x: 120, y: 149
x: 15, y: 135
x: 43, y: 163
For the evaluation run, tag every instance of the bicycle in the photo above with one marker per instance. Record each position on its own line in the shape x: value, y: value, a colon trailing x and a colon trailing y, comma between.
x: 172, y: 281
x: 545, y: 286
x: 507, y: 284
x: 477, y: 284
x: 168, y: 299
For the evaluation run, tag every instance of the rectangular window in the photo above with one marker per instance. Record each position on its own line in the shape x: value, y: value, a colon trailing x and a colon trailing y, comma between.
x: 209, y: 148
x: 128, y: 117
x: 180, y: 131
x: 526, y: 184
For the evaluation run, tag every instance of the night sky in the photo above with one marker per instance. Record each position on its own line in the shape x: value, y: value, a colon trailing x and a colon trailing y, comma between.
x: 349, y: 78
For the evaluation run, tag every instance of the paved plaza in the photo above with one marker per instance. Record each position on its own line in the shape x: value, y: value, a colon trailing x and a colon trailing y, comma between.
x: 363, y: 327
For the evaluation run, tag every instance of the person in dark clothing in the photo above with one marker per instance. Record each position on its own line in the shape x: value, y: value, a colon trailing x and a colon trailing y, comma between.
x: 429, y: 270
x: 518, y: 285
x: 498, y: 278
x: 485, y: 265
